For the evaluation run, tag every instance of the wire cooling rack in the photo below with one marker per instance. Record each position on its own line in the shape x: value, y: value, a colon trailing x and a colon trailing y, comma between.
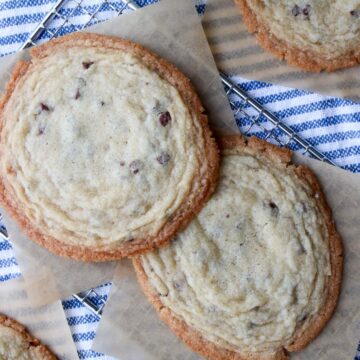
x: 250, y: 114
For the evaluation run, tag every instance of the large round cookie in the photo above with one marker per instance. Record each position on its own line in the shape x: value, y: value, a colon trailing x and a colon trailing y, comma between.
x: 17, y: 344
x: 105, y: 148
x: 315, y: 35
x: 257, y: 274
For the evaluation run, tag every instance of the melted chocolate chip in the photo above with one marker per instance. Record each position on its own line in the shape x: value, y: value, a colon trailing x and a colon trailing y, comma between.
x: 306, y: 11
x: 122, y: 163
x: 44, y: 107
x: 163, y: 158
x: 296, y: 10
x: 227, y: 216
x: 102, y: 103
x: 355, y: 13
x: 294, y: 294
x: 135, y: 166
x: 165, y: 118
x: 274, y: 208
x: 87, y: 64
x: 77, y: 95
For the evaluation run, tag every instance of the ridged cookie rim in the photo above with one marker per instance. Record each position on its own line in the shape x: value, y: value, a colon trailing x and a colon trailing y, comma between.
x: 303, y: 335
x: 184, y: 214
x: 302, y: 58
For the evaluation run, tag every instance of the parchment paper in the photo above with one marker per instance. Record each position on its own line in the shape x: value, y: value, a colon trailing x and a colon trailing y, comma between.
x: 47, y: 323
x: 143, y: 336
x: 171, y: 29
x: 237, y: 53
x: 140, y: 335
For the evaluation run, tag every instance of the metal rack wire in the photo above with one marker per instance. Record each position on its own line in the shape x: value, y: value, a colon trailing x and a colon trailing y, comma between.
x: 252, y: 112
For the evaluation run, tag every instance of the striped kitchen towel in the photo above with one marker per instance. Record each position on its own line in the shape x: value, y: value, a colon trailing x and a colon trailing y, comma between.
x: 330, y: 124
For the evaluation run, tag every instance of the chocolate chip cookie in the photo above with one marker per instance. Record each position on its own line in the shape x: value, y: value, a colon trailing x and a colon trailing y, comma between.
x: 316, y: 35
x: 105, y: 148
x: 257, y: 274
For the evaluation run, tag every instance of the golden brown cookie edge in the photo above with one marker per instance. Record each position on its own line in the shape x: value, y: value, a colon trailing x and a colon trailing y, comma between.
x: 33, y: 342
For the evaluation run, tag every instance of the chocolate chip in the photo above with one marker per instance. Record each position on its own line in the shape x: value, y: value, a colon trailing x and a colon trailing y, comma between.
x: 77, y: 95
x: 294, y: 294
x: 227, y: 216
x: 295, y: 10
x: 135, y: 166
x: 164, y: 118
x: 122, y: 163
x: 306, y: 11
x: 355, y: 13
x: 274, y: 208
x: 44, y: 107
x: 102, y: 103
x: 87, y: 64
x: 163, y: 158
x: 40, y: 131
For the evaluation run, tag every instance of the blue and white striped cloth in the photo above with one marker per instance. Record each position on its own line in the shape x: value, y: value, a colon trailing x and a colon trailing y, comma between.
x: 330, y: 124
